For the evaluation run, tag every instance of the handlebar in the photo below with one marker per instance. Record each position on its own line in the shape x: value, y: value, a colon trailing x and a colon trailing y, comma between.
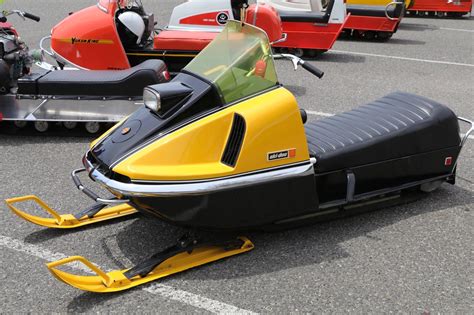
x: 309, y: 67
x: 20, y: 13
x: 31, y: 16
x: 298, y: 61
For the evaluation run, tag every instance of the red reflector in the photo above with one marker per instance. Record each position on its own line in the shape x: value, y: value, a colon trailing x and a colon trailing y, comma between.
x: 448, y: 161
x: 166, y: 75
x: 1, y: 116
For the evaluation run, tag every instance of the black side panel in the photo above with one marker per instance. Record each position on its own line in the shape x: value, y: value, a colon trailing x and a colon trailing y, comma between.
x: 234, y: 143
x: 386, y: 175
x: 405, y: 170
x: 248, y: 207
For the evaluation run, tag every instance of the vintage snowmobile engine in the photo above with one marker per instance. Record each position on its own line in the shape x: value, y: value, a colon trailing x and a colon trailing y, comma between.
x: 224, y: 148
x: 16, y: 59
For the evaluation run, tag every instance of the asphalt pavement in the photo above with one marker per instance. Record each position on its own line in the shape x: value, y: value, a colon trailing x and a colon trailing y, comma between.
x: 413, y: 258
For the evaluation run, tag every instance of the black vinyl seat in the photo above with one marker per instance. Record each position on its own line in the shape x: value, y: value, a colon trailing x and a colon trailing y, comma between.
x: 397, y: 125
x: 306, y: 16
x: 394, y: 11
x: 128, y: 82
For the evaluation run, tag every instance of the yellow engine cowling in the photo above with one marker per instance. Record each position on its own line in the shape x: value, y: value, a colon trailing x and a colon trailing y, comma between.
x: 273, y: 124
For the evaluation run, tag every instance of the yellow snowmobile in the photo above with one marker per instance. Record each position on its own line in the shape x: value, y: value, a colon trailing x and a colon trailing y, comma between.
x: 223, y: 147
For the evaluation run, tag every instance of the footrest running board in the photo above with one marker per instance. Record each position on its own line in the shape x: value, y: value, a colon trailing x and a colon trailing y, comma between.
x: 67, y: 221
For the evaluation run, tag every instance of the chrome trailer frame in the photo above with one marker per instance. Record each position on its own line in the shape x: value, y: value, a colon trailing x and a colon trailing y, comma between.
x: 66, y: 108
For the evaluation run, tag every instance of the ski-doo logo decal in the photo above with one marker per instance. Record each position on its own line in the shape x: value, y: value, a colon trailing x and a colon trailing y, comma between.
x: 222, y: 18
x: 75, y: 40
x: 280, y: 155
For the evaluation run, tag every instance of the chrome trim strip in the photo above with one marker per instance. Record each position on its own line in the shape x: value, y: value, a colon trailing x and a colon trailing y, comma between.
x: 173, y: 189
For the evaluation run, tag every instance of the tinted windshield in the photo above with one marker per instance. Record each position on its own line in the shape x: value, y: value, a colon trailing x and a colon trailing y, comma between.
x: 238, y: 62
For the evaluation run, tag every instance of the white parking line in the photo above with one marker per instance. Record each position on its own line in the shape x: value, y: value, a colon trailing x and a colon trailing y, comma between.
x: 323, y: 114
x: 456, y: 29
x: 404, y: 58
x: 165, y: 291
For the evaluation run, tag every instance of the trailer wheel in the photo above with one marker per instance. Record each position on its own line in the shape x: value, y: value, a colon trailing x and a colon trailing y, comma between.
x: 384, y: 35
x: 41, y: 126
x: 421, y: 13
x: 440, y: 14
x: 70, y: 125
x: 92, y: 127
x: 455, y: 14
x: 20, y: 124
x: 369, y: 35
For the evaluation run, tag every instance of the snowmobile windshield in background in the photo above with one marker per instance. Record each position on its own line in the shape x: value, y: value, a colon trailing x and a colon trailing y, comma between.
x: 238, y: 62
x: 104, y: 5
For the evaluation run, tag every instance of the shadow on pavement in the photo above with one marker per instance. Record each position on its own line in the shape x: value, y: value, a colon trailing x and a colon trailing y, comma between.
x: 332, y: 56
x: 275, y: 251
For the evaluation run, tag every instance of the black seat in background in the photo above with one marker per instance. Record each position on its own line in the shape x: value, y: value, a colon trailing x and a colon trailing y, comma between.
x: 377, y: 10
x: 129, y: 82
x: 306, y: 16
x: 397, y: 125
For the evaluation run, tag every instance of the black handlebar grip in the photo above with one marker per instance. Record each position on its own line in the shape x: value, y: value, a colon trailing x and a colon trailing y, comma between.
x: 90, y: 193
x: 31, y: 16
x: 309, y: 67
x: 76, y: 181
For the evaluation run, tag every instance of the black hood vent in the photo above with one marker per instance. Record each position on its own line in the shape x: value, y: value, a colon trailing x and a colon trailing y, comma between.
x: 234, y: 143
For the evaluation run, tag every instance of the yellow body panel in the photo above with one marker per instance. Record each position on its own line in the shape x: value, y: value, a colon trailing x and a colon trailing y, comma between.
x: 408, y: 3
x: 273, y: 123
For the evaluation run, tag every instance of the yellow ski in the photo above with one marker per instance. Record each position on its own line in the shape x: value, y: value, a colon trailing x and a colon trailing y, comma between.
x: 67, y: 221
x: 119, y: 280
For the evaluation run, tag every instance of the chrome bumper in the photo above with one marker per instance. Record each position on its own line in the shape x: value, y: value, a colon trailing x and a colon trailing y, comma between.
x: 188, y: 188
